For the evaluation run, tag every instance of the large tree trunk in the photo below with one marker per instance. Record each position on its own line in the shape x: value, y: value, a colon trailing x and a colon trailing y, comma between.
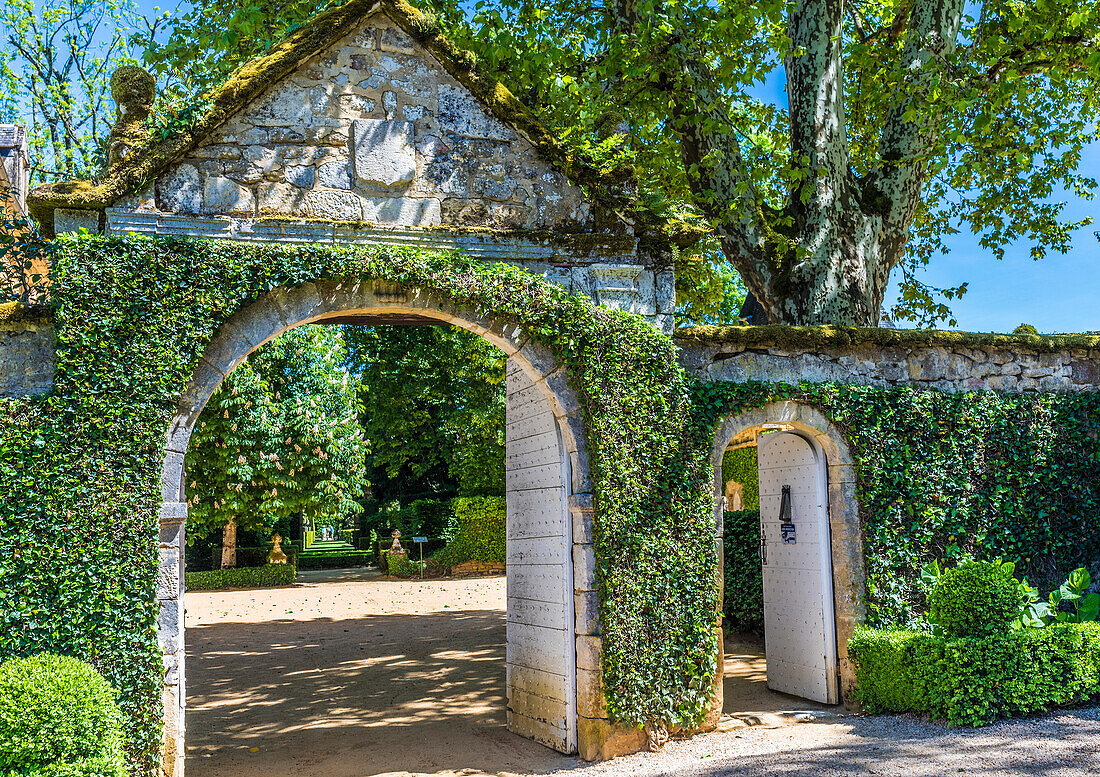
x: 825, y: 255
x: 229, y: 545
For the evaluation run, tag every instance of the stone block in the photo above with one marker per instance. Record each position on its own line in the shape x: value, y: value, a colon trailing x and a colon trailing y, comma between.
x: 168, y: 573
x: 404, y: 211
x: 227, y: 197
x: 279, y: 198
x: 586, y: 608
x: 335, y: 175
x: 333, y: 206
x: 67, y: 221
x: 588, y: 653
x: 171, y: 479
x: 384, y: 152
x: 169, y: 626
x: 180, y: 190
x: 299, y: 175
x: 590, y: 699
x: 584, y: 567
x: 600, y: 740
x: 460, y: 113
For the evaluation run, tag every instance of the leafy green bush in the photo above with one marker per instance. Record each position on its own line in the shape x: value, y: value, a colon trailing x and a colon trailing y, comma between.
x: 976, y: 599
x: 974, y: 680
x: 400, y: 565
x: 58, y: 717
x: 336, y: 560
x: 741, y: 465
x: 267, y: 576
x: 743, y: 605
x: 481, y: 534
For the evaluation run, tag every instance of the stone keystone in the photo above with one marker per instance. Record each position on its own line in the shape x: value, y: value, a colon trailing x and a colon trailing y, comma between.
x: 384, y: 153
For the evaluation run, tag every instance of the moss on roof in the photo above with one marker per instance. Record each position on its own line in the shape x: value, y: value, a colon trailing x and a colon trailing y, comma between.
x: 817, y: 337
x: 18, y: 313
x: 144, y: 163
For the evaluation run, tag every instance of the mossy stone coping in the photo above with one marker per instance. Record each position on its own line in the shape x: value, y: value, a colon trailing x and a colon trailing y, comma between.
x: 18, y: 313
x: 813, y: 338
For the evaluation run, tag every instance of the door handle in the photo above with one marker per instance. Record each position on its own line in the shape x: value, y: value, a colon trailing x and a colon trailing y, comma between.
x: 763, y: 546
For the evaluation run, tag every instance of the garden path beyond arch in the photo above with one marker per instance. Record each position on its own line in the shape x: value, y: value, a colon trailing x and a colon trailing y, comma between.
x: 547, y: 486
x: 846, y: 533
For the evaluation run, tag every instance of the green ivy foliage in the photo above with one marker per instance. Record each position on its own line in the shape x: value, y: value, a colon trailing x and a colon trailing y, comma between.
x: 977, y: 475
x: 740, y: 465
x: 267, y: 576
x: 481, y: 533
x: 78, y: 534
x: 743, y: 576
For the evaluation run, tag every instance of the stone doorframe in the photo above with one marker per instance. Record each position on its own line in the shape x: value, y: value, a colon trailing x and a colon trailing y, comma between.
x: 376, y: 302
x: 846, y: 532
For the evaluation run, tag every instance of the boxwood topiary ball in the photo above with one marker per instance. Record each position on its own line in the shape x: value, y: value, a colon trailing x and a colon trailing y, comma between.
x: 58, y: 716
x: 975, y: 599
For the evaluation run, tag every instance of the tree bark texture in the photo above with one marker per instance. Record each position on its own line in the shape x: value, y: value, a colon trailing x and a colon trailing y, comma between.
x: 229, y: 545
x: 825, y: 255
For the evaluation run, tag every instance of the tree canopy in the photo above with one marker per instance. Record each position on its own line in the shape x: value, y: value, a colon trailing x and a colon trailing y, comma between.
x: 280, y: 437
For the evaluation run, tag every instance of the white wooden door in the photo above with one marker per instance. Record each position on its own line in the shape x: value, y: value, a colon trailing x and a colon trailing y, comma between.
x: 799, y: 629
x: 542, y: 685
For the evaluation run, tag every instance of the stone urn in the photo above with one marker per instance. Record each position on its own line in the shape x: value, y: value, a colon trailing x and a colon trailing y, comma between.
x: 276, y: 556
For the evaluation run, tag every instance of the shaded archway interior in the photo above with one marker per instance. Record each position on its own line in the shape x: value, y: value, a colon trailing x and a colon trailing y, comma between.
x: 547, y: 481
x: 846, y: 536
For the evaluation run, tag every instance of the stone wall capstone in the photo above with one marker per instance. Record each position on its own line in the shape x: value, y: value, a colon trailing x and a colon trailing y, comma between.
x: 950, y: 368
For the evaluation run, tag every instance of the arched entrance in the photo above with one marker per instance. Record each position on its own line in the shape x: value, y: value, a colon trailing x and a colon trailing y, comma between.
x: 808, y: 454
x: 546, y: 474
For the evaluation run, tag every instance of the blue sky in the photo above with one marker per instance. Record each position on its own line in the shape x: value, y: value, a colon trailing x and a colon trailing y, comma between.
x: 1061, y: 293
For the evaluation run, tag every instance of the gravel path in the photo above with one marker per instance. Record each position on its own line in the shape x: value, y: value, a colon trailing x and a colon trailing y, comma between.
x: 348, y: 675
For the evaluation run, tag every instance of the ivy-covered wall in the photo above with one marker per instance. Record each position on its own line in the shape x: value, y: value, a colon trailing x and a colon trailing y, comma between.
x: 81, y: 464
x: 951, y: 475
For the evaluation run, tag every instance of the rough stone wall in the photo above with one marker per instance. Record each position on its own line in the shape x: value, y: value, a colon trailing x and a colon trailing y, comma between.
x: 946, y: 368
x: 372, y: 130
x: 26, y: 359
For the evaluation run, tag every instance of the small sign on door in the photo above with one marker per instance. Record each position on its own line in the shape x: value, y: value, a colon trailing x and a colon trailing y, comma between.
x: 787, y: 533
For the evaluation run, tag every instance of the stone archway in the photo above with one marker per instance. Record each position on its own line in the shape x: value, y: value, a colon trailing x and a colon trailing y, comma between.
x: 846, y: 533
x: 547, y: 486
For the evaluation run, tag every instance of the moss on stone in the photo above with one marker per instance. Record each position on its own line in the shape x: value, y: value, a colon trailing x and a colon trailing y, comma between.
x: 579, y: 241
x: 811, y: 338
x: 18, y: 313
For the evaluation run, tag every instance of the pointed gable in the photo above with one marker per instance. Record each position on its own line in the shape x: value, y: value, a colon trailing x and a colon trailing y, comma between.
x: 373, y: 129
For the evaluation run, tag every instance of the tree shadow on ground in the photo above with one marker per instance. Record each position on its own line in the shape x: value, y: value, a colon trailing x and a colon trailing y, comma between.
x: 353, y: 697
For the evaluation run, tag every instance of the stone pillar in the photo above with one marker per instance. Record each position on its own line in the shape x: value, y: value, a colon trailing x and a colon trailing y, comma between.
x: 170, y: 624
x: 597, y: 737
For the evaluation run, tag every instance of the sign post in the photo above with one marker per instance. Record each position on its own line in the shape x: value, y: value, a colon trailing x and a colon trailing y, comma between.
x: 420, y: 541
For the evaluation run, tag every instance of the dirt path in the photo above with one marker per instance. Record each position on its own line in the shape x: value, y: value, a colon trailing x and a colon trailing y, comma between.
x: 350, y: 675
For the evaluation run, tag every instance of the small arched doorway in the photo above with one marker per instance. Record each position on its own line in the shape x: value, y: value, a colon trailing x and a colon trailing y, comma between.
x: 813, y: 586
x: 546, y: 473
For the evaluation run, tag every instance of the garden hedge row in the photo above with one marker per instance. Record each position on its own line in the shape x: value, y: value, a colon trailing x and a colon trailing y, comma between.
x: 743, y: 599
x: 482, y: 528
x: 336, y: 559
x: 740, y: 465
x: 267, y: 576
x: 974, y: 680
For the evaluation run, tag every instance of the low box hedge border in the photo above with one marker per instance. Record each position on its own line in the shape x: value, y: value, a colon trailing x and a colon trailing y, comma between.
x: 341, y: 560
x: 267, y: 576
x: 975, y: 680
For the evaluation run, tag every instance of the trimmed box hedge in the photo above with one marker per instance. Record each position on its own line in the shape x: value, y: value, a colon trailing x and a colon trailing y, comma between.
x: 336, y: 560
x: 975, y: 680
x: 267, y: 576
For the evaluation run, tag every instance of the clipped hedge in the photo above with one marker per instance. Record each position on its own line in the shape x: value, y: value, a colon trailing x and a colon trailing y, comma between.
x: 58, y: 717
x: 400, y: 565
x: 743, y: 600
x: 481, y: 533
x: 267, y: 576
x: 740, y: 465
x: 975, y: 680
x: 336, y: 560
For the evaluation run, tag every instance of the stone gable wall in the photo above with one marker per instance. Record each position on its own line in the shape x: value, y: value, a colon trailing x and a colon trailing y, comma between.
x: 946, y: 368
x: 372, y: 130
